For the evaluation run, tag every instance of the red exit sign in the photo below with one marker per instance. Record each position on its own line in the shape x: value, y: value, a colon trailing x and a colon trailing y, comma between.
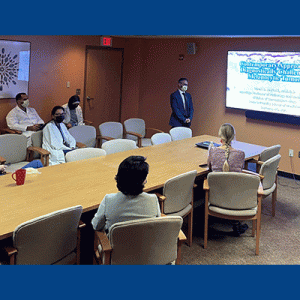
x: 106, y: 41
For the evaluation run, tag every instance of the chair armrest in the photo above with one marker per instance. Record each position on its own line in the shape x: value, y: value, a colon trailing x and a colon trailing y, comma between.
x: 11, y: 131
x: 81, y: 224
x: 153, y: 129
x: 44, y: 154
x: 181, y: 236
x: 80, y: 145
x: 261, y: 177
x: 102, y: 239
x: 11, y: 252
x: 161, y: 200
x: 2, y: 160
x: 135, y: 134
x: 205, y: 185
x: 88, y: 122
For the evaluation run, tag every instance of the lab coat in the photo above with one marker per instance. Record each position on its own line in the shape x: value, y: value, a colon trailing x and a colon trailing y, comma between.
x: 78, y: 111
x: 53, y: 142
x: 18, y: 119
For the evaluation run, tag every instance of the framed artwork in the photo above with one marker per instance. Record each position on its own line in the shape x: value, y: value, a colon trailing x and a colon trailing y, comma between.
x: 14, y: 68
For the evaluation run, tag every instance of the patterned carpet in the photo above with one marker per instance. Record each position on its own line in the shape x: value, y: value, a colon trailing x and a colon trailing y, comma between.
x: 279, y: 242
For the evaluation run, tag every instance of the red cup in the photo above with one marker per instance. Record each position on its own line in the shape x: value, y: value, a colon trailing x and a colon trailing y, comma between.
x: 19, y: 176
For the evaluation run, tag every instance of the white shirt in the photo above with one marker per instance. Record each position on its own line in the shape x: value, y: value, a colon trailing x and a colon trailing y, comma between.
x: 18, y: 119
x: 182, y: 97
x: 78, y: 111
x: 54, y: 143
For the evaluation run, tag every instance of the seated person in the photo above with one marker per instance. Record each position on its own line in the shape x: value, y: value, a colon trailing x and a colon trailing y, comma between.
x: 130, y: 203
x: 36, y: 164
x: 56, y: 138
x: 227, y: 159
x: 24, y: 118
x: 73, y: 112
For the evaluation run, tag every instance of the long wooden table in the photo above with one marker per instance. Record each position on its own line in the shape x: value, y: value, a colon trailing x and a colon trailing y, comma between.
x: 86, y: 182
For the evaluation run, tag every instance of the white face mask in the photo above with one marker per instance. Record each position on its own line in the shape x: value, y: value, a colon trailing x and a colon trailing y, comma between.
x: 184, y: 88
x: 25, y: 103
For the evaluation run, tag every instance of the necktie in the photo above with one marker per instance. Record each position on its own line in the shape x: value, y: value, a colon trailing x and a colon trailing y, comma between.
x: 185, y: 106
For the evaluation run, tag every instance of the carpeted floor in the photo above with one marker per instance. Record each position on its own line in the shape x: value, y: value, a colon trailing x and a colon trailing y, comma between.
x: 279, y: 242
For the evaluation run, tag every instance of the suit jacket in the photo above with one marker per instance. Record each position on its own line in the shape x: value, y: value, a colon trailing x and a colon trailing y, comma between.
x: 179, y: 114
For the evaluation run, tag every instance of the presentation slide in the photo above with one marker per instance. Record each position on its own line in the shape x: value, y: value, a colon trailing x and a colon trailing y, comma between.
x: 264, y: 81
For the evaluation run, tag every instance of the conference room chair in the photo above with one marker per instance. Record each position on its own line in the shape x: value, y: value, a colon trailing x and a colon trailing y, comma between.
x: 118, y: 145
x: 109, y: 131
x: 37, y: 152
x: 268, y: 171
x: 15, y: 154
x: 52, y: 239
x: 84, y: 153
x: 233, y: 196
x: 178, y: 199
x: 151, y: 241
x: 135, y: 129
x: 264, y: 156
x: 160, y: 138
x: 84, y: 134
x: 180, y: 133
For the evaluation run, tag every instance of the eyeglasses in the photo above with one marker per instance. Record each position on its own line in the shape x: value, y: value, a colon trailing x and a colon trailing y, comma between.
x: 58, y: 115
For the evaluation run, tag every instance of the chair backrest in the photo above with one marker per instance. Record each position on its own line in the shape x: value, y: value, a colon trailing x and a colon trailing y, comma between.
x: 269, y: 152
x: 160, y: 138
x: 180, y: 133
x: 118, y: 145
x: 146, y: 241
x: 135, y: 125
x: 37, y: 141
x: 84, y: 153
x: 13, y: 147
x: 111, y: 129
x: 269, y: 170
x: 179, y: 192
x: 233, y: 190
x: 47, y: 239
x: 84, y: 134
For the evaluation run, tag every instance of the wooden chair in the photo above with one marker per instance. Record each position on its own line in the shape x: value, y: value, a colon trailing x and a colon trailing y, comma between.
x: 84, y: 134
x: 52, y: 239
x: 110, y: 131
x: 233, y: 196
x: 151, y: 241
x: 118, y: 145
x: 160, y: 138
x: 179, y: 133
x: 268, y: 170
x: 84, y: 153
x: 14, y: 151
x: 135, y: 129
x: 178, y: 199
x: 264, y: 156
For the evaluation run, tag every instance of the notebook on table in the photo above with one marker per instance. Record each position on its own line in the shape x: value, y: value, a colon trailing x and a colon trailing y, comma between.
x: 206, y: 144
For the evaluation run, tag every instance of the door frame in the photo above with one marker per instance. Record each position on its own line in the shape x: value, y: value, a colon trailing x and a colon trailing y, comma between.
x: 89, y: 47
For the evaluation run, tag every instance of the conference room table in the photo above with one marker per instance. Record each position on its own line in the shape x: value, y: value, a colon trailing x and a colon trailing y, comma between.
x: 86, y: 182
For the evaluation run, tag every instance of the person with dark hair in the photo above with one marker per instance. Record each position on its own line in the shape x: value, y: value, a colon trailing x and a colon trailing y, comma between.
x: 130, y: 203
x: 56, y: 137
x: 73, y: 112
x: 24, y: 118
x: 182, y: 106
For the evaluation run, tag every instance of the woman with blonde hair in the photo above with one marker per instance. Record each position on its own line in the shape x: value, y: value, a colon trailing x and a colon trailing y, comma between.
x: 227, y: 159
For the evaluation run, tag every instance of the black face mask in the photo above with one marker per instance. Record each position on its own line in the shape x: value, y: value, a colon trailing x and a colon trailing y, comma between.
x: 59, y: 119
x: 73, y: 106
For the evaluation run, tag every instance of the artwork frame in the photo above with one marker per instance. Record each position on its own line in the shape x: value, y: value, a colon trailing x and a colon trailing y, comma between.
x: 14, y: 68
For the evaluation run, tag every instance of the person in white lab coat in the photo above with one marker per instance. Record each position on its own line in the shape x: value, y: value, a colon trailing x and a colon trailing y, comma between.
x: 56, y: 137
x: 24, y: 118
x: 73, y: 112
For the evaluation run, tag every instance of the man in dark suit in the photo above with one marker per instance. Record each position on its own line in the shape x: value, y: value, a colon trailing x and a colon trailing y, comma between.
x: 182, y: 106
